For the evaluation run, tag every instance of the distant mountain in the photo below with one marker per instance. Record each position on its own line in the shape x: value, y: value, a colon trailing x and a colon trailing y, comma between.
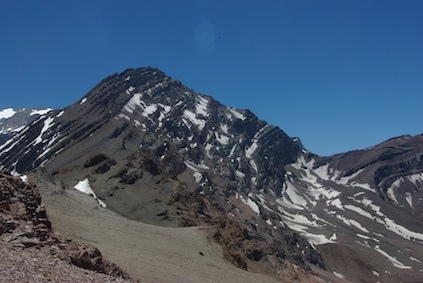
x: 12, y: 120
x: 155, y: 151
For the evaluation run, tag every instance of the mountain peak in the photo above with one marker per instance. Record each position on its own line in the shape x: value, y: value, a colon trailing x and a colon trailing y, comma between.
x: 156, y: 151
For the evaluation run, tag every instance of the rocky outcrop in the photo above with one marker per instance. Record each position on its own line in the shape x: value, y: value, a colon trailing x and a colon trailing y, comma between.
x: 24, y: 224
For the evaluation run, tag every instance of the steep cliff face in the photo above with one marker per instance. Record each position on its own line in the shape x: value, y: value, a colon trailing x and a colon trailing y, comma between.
x: 155, y: 151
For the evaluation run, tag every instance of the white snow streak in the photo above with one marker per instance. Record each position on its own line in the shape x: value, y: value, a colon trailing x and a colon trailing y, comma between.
x: 237, y: 114
x: 250, y: 151
x: 251, y: 204
x: 47, y: 124
x: 392, y: 259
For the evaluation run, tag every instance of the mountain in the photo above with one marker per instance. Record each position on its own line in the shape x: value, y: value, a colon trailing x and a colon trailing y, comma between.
x: 13, y: 120
x: 155, y: 151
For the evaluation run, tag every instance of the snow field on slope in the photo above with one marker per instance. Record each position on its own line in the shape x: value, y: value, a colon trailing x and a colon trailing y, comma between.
x: 7, y: 113
x: 389, y: 223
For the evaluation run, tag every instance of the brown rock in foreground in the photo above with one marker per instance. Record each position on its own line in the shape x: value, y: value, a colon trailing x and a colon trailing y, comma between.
x: 32, y: 252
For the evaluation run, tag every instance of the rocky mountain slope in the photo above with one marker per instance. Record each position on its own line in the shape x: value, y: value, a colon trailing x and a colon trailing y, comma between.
x: 155, y: 151
x: 13, y: 120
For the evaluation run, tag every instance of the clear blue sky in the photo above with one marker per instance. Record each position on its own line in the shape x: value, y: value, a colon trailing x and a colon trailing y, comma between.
x: 341, y: 74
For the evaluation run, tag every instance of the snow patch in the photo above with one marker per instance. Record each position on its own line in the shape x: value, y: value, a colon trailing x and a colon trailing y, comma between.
x: 250, y: 151
x: 251, y: 204
x: 409, y: 198
x: 224, y: 128
x: 253, y: 165
x: 40, y: 112
x: 222, y: 139
x: 295, y: 197
x: 24, y: 178
x: 150, y: 109
x: 201, y: 107
x: 415, y: 259
x: 237, y: 114
x: 193, y: 118
x: 84, y: 187
x: 47, y: 124
x: 352, y: 222
x: 392, y: 259
x: 337, y: 203
x: 83, y: 101
x: 7, y: 113
x: 197, y: 177
x: 123, y: 116
x: 339, y: 275
x: 239, y: 174
x: 358, y: 210
x: 136, y: 101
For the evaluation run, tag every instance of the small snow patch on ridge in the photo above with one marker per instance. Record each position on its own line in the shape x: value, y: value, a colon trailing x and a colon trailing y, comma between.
x: 40, y: 112
x: 237, y: 114
x: 83, y: 100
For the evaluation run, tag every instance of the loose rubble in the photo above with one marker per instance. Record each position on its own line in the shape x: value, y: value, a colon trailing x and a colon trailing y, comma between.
x: 32, y: 252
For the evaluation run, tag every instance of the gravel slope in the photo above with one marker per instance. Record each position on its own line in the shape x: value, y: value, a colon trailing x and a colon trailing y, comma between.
x: 149, y: 253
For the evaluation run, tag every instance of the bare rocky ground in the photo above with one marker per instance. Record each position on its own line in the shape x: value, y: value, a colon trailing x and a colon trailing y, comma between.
x: 147, y: 252
x: 37, y: 265
x: 32, y: 252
